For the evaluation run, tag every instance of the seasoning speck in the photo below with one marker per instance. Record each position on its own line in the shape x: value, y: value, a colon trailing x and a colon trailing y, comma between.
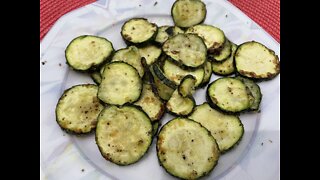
x: 155, y: 3
x: 226, y: 15
x: 44, y: 62
x: 139, y: 5
x: 262, y: 144
x: 60, y: 64
x: 82, y: 170
x: 270, y: 141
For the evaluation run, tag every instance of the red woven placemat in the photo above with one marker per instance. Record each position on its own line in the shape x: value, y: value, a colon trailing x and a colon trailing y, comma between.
x: 52, y: 10
x: 266, y: 13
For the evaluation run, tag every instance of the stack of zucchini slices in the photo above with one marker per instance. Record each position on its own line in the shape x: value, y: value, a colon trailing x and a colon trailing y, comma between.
x: 158, y: 72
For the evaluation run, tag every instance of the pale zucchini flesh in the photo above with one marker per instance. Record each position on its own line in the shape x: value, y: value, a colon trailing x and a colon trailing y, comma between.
x: 120, y: 84
x: 150, y: 52
x: 255, y: 91
x: 164, y: 32
x: 213, y: 37
x: 207, y: 73
x: 138, y: 31
x: 175, y: 73
x: 187, y: 50
x: 187, y: 13
x: 78, y: 109
x: 256, y: 61
x: 222, y: 55
x: 226, y: 67
x: 151, y: 103
x: 186, y: 149
x: 164, y: 91
x: 187, y: 86
x: 180, y: 106
x: 131, y: 56
x: 226, y: 129
x: 123, y: 134
x: 86, y: 52
x: 96, y: 77
x: 229, y: 95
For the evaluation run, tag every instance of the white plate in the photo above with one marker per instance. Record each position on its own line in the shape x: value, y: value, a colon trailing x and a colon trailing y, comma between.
x: 65, y: 156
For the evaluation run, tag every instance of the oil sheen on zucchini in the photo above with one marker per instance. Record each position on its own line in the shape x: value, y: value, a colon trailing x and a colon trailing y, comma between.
x: 186, y: 149
x: 187, y: 13
x: 123, y: 134
x: 256, y: 61
x: 226, y: 129
x: 86, y: 53
x: 120, y: 84
x: 78, y: 109
x: 229, y: 95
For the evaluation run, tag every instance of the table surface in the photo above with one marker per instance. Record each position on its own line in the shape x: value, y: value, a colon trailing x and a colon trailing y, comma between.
x: 265, y: 13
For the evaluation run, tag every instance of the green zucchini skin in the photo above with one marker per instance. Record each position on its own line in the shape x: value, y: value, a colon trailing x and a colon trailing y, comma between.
x: 158, y: 72
x: 207, y: 74
x: 255, y: 91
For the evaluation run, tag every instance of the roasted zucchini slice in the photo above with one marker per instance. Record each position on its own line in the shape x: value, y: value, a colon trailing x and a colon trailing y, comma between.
x: 213, y: 37
x: 186, y: 50
x: 138, y: 31
x: 164, y: 32
x: 186, y: 149
x: 151, y: 103
x: 187, y: 86
x: 226, y: 129
x: 78, y: 109
x: 164, y: 91
x: 155, y: 127
x: 187, y: 13
x: 123, y: 134
x: 226, y: 67
x: 96, y: 77
x: 222, y: 55
x: 150, y: 52
x: 120, y: 84
x: 86, y: 52
x: 180, y: 106
x: 175, y: 74
x: 207, y: 74
x: 256, y: 61
x: 255, y: 91
x: 131, y: 56
x: 229, y: 95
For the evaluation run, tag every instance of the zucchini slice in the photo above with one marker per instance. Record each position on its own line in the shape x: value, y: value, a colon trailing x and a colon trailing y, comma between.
x: 155, y: 127
x: 120, y: 84
x: 96, y: 77
x: 138, y: 31
x: 207, y: 74
x: 213, y: 37
x: 187, y: 13
x: 175, y: 74
x: 224, y: 54
x: 255, y: 91
x: 86, y: 53
x: 226, y: 67
x: 163, y: 90
x: 186, y: 50
x: 180, y: 106
x: 78, y: 109
x: 123, y: 134
x: 150, y: 52
x: 187, y: 86
x: 229, y: 95
x: 151, y: 103
x: 162, y: 77
x: 226, y: 129
x: 131, y: 56
x: 164, y: 32
x: 186, y: 149
x: 256, y: 61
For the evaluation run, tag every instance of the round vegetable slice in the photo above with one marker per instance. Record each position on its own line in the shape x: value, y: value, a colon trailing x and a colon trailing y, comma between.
x: 78, y: 109
x: 187, y: 86
x: 207, y: 74
x: 138, y: 31
x: 186, y: 149
x: 255, y: 91
x: 123, y: 134
x: 120, y: 84
x: 187, y: 13
x: 226, y: 129
x: 186, y: 50
x: 180, y: 106
x: 87, y: 52
x: 226, y: 67
x: 256, y: 61
x: 213, y: 37
x: 223, y: 54
x: 150, y: 52
x: 164, y: 32
x: 229, y: 95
